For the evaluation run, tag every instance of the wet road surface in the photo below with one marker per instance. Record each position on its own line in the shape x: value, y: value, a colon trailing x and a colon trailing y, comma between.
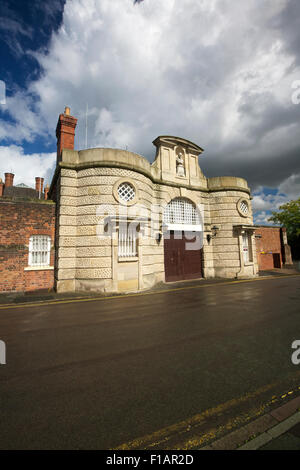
x: 102, y: 373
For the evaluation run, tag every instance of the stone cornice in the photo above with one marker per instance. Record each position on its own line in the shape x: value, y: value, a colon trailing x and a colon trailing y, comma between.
x: 148, y: 174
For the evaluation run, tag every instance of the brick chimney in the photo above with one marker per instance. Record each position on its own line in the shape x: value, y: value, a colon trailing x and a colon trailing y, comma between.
x: 65, y: 132
x: 9, y: 179
x: 1, y: 187
x: 39, y: 182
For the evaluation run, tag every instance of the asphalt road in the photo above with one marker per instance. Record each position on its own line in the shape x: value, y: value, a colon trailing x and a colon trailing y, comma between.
x: 168, y: 365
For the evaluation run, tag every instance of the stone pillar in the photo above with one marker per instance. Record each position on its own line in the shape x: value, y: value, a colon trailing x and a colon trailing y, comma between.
x: 286, y: 249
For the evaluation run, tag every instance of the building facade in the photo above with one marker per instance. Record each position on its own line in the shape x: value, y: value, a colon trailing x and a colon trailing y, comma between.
x: 27, y: 226
x: 113, y: 222
x: 123, y: 224
x: 272, y: 247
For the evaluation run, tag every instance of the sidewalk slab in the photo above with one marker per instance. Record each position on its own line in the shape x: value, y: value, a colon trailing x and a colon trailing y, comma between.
x: 284, y: 425
x: 238, y: 437
x: 232, y: 440
x: 280, y: 426
x: 286, y: 410
x: 261, y: 424
x: 256, y: 443
x: 275, y: 434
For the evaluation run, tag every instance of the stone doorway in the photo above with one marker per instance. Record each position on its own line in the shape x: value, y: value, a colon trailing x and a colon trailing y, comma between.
x: 182, y: 255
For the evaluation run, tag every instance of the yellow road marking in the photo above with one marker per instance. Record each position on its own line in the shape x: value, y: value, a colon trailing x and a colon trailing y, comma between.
x: 165, y: 434
x: 139, y: 294
x: 212, y: 434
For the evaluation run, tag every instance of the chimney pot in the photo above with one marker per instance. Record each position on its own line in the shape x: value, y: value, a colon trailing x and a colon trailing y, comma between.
x: 46, y: 191
x: 39, y: 182
x: 67, y: 110
x: 9, y: 179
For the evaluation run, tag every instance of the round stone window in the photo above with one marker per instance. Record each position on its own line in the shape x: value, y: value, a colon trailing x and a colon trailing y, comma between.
x: 243, y: 207
x: 126, y: 192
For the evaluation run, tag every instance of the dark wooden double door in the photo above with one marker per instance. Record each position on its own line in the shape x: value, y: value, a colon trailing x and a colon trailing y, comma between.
x: 180, y: 261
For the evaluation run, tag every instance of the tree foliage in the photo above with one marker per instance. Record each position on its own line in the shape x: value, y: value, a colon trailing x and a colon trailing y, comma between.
x: 289, y: 217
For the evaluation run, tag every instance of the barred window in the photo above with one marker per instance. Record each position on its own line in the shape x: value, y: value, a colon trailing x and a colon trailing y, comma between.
x: 181, y: 211
x: 39, y: 250
x: 127, y: 246
x: 243, y: 207
x: 126, y: 192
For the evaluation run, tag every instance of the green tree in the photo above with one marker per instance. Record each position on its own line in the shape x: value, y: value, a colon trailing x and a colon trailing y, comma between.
x: 289, y: 217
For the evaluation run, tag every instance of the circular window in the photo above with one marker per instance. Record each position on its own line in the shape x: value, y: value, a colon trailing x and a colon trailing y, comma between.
x: 126, y: 192
x: 243, y: 207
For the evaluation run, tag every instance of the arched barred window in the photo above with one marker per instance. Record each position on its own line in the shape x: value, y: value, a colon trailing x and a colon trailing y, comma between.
x: 181, y: 211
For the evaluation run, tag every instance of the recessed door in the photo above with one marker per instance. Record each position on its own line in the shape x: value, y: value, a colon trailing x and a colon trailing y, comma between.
x: 183, y: 256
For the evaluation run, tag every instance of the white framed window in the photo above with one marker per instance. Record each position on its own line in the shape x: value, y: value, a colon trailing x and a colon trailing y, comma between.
x: 39, y: 250
x: 181, y: 211
x: 247, y: 247
x: 127, y: 242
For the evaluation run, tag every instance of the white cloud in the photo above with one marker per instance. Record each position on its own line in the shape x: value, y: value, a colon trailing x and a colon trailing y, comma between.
x: 262, y: 218
x: 291, y: 186
x: 214, y: 71
x: 24, y: 166
x: 268, y: 202
x: 288, y: 190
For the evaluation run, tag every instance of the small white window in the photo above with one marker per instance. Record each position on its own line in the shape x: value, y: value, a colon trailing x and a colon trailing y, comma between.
x: 127, y: 241
x: 247, y: 247
x: 39, y: 250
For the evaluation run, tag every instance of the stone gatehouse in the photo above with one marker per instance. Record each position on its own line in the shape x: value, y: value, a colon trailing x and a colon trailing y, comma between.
x: 123, y: 224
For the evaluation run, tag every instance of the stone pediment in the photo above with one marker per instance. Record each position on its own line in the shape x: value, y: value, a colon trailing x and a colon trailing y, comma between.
x: 172, y: 141
x: 176, y: 161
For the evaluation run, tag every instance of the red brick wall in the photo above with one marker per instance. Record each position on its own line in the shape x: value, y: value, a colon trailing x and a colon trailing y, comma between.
x: 267, y: 246
x: 18, y: 221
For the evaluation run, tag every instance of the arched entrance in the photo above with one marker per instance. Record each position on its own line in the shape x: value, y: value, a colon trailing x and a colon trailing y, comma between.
x: 183, y: 240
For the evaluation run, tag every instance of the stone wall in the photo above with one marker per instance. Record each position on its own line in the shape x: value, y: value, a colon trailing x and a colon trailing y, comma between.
x: 86, y: 237
x: 227, y: 249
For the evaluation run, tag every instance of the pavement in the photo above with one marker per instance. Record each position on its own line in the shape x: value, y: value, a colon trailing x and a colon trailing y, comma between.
x: 277, y: 430
x: 45, y: 295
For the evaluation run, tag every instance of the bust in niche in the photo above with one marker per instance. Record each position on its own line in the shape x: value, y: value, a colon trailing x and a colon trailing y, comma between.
x: 179, y: 165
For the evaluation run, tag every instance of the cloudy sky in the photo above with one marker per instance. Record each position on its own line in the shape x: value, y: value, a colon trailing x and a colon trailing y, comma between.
x: 224, y: 74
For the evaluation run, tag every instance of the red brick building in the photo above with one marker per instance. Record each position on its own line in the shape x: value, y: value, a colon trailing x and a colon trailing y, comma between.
x: 272, y: 248
x: 27, y: 224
